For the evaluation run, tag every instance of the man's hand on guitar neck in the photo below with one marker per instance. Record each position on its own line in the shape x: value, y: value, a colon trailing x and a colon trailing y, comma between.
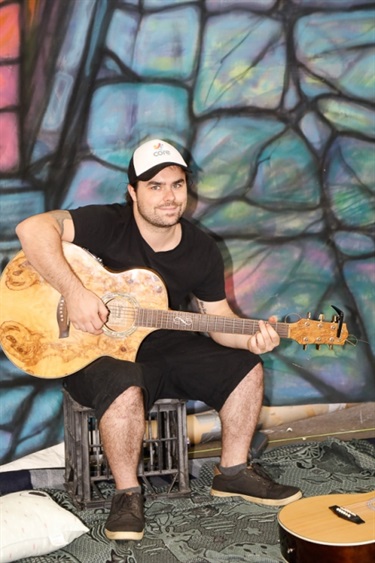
x: 265, y: 339
x: 86, y: 311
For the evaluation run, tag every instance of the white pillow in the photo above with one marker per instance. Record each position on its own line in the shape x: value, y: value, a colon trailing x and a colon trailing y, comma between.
x: 32, y: 524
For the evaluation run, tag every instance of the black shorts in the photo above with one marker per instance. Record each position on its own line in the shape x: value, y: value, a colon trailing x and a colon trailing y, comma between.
x: 170, y: 365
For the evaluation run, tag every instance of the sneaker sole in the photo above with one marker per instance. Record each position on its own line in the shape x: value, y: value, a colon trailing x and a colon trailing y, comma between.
x: 123, y: 535
x: 264, y: 501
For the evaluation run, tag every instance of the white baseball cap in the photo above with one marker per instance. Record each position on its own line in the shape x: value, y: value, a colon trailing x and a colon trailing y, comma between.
x: 151, y: 157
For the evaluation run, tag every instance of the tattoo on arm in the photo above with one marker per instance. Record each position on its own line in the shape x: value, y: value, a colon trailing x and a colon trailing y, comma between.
x: 60, y: 215
x: 201, y: 306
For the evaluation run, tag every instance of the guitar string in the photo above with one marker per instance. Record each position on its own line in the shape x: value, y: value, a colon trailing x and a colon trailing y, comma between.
x: 190, y: 321
x: 150, y: 317
x: 185, y: 320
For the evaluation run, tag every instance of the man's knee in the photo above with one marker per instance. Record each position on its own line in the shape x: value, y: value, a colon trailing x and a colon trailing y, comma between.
x: 259, y: 369
x: 256, y: 373
x: 128, y: 403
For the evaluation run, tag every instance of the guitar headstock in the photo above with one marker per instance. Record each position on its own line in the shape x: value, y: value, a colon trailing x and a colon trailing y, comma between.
x: 307, y: 331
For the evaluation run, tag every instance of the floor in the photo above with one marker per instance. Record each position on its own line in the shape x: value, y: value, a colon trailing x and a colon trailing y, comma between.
x: 355, y: 422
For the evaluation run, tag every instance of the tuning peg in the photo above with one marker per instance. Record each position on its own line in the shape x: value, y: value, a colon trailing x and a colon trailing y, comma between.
x: 308, y: 316
x: 321, y: 317
x: 330, y: 346
x: 317, y: 346
x: 304, y: 346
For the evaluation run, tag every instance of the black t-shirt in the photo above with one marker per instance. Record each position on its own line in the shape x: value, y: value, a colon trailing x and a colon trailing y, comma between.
x: 195, y: 266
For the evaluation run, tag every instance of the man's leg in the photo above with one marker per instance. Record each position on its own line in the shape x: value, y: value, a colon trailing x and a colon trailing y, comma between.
x: 239, y: 417
x: 122, y: 428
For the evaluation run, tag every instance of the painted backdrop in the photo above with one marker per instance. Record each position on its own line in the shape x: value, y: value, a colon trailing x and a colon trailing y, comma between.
x: 274, y: 100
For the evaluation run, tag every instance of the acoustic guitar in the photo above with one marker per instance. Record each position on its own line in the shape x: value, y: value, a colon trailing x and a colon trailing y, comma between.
x: 37, y: 337
x: 337, y: 528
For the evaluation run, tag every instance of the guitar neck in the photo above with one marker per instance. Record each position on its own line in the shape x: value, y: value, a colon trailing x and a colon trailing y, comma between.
x: 196, y: 322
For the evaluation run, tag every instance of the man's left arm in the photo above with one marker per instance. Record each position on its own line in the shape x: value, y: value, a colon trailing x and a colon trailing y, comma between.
x: 264, y: 340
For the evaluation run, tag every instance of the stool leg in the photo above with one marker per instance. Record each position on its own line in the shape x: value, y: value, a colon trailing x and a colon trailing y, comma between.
x: 183, y: 461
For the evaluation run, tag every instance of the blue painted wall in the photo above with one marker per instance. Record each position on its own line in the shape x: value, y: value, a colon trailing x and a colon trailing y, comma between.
x: 274, y: 100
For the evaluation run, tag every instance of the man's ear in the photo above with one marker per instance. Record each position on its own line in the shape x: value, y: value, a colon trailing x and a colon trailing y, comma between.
x: 132, y: 192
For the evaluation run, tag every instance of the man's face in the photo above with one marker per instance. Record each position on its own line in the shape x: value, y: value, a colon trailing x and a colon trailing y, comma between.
x: 162, y: 200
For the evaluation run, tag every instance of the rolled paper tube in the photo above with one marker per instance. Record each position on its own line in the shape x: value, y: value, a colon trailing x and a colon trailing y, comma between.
x: 274, y: 416
x: 206, y: 427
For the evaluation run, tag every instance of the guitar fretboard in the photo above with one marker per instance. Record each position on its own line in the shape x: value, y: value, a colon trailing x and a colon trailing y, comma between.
x: 196, y: 322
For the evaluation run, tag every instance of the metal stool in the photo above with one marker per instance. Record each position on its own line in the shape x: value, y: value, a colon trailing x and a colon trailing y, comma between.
x: 163, y: 467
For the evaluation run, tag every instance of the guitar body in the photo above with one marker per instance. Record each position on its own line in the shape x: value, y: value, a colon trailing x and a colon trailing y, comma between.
x: 312, y: 533
x: 34, y: 330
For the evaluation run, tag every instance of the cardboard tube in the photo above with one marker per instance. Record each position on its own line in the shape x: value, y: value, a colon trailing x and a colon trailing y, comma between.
x: 205, y: 427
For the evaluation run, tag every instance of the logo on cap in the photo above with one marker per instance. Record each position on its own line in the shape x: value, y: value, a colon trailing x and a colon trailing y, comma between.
x: 159, y: 150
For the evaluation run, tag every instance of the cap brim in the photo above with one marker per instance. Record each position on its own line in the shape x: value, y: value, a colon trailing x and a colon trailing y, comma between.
x: 149, y: 174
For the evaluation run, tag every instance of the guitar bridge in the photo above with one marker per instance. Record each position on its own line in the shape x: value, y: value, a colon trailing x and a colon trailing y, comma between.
x: 346, y: 514
x: 62, y: 318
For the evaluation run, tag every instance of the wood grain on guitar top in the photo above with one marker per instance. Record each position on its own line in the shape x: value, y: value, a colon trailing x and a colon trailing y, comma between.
x: 29, y: 331
x: 311, y: 532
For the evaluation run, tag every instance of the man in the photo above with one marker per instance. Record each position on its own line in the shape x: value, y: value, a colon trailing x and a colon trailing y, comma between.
x: 223, y: 371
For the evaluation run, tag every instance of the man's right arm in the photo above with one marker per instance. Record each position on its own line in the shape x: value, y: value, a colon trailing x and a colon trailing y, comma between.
x: 41, y: 238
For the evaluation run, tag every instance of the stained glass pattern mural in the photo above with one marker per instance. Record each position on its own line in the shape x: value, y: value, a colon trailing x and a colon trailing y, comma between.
x: 273, y: 100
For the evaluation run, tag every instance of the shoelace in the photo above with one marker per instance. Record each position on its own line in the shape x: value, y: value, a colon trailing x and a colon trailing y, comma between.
x: 129, y: 503
x: 259, y: 470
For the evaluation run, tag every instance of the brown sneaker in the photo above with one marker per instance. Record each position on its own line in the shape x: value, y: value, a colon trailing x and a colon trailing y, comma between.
x: 126, y: 519
x: 255, y: 485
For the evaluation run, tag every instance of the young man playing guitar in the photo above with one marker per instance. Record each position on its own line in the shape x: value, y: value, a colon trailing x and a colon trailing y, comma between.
x: 224, y: 371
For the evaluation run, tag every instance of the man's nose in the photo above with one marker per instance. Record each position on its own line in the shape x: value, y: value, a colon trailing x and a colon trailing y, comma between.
x: 169, y: 194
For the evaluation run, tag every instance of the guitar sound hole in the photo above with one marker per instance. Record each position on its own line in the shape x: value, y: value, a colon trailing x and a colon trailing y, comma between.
x: 122, y: 314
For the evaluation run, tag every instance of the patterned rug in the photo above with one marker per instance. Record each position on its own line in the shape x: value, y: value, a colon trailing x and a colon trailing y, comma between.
x: 205, y: 529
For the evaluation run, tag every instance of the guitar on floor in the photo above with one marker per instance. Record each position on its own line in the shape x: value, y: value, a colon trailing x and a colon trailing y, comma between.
x: 337, y: 528
x: 37, y: 337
